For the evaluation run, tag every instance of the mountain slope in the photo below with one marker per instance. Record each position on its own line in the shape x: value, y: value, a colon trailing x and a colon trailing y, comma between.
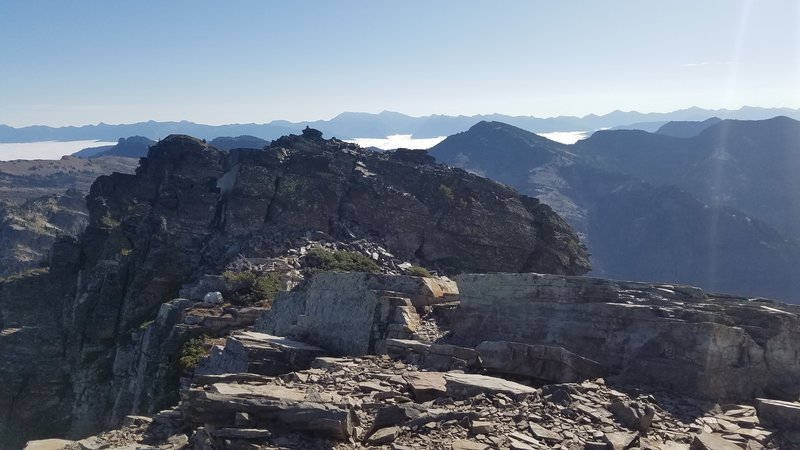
x: 28, y: 230
x: 633, y: 229
x: 686, y: 129
x: 748, y: 165
x: 21, y: 180
x: 230, y: 143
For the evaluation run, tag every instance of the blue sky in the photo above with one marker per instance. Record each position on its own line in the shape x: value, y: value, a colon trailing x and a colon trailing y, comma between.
x: 77, y: 62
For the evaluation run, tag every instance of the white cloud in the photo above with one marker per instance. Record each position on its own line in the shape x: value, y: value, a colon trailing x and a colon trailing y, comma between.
x: 398, y: 141
x: 45, y: 149
x: 565, y: 137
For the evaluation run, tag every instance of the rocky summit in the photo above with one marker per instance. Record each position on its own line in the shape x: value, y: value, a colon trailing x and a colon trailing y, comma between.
x: 93, y: 336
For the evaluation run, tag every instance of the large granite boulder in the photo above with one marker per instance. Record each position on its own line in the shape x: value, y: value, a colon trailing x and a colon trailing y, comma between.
x: 677, y: 337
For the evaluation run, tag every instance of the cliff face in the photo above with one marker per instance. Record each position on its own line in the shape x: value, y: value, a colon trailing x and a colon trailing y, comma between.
x: 73, y: 351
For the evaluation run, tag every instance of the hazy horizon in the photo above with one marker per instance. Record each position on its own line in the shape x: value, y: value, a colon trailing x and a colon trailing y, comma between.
x: 280, y: 119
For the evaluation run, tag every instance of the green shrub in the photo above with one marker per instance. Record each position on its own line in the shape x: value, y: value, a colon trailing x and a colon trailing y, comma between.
x: 319, y: 259
x: 192, y: 351
x: 249, y: 288
x: 420, y: 271
x: 447, y: 191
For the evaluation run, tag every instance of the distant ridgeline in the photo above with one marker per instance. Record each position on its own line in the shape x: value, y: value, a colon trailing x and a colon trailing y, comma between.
x: 132, y: 147
x: 718, y: 207
x: 352, y: 125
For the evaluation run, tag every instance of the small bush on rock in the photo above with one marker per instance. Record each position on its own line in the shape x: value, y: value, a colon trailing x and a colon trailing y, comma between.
x: 250, y: 288
x: 420, y: 271
x: 191, y: 353
x: 319, y: 259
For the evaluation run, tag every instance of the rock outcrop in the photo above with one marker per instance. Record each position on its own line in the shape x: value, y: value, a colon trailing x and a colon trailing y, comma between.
x: 352, y: 314
x: 260, y: 390
x: 675, y: 337
x: 90, y: 339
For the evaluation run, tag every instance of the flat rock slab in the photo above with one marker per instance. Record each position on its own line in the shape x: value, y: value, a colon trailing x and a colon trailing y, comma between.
x: 544, y: 434
x: 707, y: 441
x: 779, y: 414
x: 547, y: 363
x: 620, y: 440
x: 403, y: 346
x: 465, y: 444
x: 383, y: 436
x: 243, y: 433
x: 658, y: 445
x: 272, y: 392
x: 259, y: 353
x: 266, y: 404
x: 446, y: 357
x: 462, y: 385
x: 332, y: 363
x: 426, y: 386
x: 49, y: 444
x: 255, y: 339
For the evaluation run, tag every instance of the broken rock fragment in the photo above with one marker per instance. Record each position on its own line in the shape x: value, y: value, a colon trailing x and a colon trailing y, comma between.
x: 708, y: 441
x: 426, y: 386
x: 462, y: 385
x: 779, y: 414
x: 633, y: 415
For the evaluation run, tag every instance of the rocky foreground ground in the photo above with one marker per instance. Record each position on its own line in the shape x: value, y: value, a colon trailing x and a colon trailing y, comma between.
x: 348, y: 403
x: 261, y: 391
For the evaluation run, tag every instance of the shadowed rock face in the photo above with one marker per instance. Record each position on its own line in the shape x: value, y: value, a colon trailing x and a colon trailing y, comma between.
x: 188, y: 210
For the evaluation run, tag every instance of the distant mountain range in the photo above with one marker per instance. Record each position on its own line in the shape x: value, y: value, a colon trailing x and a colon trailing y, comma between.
x: 719, y: 209
x: 132, y: 147
x: 351, y: 125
